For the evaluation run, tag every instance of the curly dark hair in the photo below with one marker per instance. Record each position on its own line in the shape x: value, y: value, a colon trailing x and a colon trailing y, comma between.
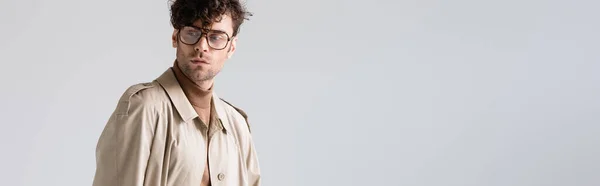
x: 186, y: 12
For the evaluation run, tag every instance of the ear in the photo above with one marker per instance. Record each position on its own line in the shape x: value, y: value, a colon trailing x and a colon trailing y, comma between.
x: 232, y: 47
x: 174, y: 38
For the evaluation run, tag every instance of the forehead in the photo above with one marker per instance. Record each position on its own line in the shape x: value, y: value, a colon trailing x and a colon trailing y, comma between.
x: 225, y: 24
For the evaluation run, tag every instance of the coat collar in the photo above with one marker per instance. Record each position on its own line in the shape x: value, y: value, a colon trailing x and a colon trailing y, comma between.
x: 182, y: 104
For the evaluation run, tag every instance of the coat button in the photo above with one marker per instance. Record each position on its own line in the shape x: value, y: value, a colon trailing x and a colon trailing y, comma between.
x: 221, y: 176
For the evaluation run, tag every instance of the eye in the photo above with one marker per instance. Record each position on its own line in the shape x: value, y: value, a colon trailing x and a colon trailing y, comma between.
x: 193, y: 33
x: 217, y: 37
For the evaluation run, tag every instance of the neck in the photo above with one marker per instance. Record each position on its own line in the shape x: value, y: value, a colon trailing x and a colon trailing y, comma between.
x: 199, y: 93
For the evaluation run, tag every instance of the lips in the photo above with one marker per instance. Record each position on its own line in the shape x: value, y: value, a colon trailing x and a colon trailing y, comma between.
x: 198, y: 60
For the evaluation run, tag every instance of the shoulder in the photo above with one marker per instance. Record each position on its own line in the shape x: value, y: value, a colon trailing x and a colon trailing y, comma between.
x: 145, y: 96
x: 237, y: 111
x: 136, y: 112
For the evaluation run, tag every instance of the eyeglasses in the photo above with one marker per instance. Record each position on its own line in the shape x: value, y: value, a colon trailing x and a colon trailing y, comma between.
x: 190, y: 35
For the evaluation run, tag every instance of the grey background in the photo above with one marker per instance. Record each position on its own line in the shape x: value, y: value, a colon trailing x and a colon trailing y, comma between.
x: 420, y: 93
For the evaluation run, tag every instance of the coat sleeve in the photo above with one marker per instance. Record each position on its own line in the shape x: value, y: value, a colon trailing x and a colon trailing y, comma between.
x: 254, y: 177
x: 123, y: 149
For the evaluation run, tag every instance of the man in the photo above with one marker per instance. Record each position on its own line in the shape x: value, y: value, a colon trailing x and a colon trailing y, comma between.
x: 175, y: 130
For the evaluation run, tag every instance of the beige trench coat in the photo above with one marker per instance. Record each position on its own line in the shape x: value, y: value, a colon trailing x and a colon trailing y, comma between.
x: 154, y: 138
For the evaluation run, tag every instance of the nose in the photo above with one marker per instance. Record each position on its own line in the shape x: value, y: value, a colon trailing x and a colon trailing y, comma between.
x: 202, y: 44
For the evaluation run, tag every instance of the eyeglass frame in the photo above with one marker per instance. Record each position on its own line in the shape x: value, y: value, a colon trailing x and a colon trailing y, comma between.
x: 203, y: 32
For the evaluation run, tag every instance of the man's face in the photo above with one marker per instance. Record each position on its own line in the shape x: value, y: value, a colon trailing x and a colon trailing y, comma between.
x: 203, y: 60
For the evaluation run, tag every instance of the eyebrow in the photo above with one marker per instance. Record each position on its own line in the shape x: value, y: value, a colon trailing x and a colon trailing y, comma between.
x: 199, y: 28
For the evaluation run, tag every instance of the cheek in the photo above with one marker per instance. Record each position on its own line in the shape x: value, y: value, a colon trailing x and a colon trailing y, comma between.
x: 221, y: 57
x: 183, y: 50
